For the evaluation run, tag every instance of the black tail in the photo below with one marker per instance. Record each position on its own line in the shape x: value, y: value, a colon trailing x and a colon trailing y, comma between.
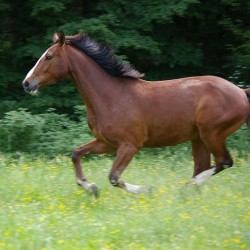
x: 247, y: 91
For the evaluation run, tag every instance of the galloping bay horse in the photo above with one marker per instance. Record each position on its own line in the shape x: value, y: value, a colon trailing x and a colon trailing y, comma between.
x: 126, y: 113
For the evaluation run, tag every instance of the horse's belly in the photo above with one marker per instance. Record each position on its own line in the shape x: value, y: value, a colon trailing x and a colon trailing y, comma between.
x: 168, y: 136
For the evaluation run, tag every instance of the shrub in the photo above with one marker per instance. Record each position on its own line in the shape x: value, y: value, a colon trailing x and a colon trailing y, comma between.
x: 240, y: 141
x: 20, y: 130
x: 47, y: 133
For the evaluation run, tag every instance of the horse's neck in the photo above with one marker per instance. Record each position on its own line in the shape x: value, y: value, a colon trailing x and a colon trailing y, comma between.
x: 97, y: 88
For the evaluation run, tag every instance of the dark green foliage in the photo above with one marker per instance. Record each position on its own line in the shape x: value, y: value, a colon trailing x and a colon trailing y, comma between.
x: 48, y: 133
x: 163, y: 39
x: 240, y: 141
x: 19, y: 130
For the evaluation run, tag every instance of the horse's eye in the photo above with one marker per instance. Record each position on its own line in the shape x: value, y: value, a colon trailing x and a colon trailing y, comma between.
x: 48, y: 58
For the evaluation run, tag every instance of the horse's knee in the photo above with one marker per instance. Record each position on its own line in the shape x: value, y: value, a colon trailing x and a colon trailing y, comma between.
x: 78, y: 153
x: 75, y: 156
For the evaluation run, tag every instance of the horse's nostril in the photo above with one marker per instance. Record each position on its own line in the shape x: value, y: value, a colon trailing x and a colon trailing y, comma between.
x: 25, y: 84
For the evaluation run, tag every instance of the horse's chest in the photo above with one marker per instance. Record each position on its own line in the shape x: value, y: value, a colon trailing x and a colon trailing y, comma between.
x: 102, y: 130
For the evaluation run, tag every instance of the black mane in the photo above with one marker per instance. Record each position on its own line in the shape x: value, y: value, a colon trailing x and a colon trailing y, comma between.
x: 103, y: 55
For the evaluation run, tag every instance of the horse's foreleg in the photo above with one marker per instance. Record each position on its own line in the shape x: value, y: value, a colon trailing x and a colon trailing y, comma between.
x: 93, y: 147
x: 125, y: 153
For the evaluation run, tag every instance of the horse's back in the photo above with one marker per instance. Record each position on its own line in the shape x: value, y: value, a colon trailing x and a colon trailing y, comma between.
x: 200, y: 90
x: 175, y: 110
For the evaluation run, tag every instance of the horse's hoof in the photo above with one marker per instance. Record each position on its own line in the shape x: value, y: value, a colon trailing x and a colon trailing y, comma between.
x: 150, y: 189
x: 94, y: 190
x: 147, y: 190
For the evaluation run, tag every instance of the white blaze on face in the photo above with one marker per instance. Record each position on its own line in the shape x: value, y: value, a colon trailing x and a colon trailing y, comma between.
x: 32, y: 70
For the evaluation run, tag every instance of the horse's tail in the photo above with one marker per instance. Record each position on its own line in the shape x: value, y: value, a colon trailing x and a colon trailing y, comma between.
x: 247, y: 91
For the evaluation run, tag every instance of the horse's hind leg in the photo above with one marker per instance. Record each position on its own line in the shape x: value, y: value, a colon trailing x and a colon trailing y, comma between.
x: 201, y: 154
x: 216, y: 145
x: 202, y: 161
x: 222, y: 158
x: 93, y: 147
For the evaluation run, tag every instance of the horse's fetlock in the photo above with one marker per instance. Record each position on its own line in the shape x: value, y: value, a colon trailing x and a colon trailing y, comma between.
x: 113, y: 180
x: 114, y: 183
x: 228, y: 163
x: 80, y: 182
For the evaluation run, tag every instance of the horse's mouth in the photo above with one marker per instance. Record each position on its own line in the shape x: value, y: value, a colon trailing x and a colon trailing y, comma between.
x: 30, y: 88
x: 34, y: 92
x: 34, y: 87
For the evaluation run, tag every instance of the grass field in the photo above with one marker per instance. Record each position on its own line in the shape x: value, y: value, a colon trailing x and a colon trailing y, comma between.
x: 41, y: 207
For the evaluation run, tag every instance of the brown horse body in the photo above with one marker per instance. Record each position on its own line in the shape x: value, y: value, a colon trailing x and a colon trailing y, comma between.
x: 126, y: 113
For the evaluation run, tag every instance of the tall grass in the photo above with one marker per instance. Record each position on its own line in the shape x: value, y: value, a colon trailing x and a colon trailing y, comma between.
x: 41, y: 207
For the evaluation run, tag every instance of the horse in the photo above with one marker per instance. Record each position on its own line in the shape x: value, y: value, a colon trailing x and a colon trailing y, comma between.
x: 126, y: 113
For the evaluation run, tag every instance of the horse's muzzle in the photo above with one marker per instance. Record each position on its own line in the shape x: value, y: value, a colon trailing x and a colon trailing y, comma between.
x: 26, y: 86
x: 30, y: 88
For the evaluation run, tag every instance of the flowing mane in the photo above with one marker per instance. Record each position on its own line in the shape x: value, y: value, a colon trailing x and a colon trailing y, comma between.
x: 103, y: 55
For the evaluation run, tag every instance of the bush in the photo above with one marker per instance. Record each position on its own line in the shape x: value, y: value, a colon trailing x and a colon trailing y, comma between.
x: 240, y: 141
x: 47, y: 133
x: 62, y: 135
x: 20, y: 130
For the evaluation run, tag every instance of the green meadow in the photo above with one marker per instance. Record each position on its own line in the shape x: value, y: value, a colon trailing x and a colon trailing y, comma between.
x: 42, y: 208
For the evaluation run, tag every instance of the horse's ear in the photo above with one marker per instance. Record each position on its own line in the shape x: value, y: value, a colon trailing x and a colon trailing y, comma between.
x: 55, y: 38
x: 59, y: 38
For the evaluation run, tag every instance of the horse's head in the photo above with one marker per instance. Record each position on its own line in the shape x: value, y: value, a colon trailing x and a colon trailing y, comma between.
x: 50, y: 68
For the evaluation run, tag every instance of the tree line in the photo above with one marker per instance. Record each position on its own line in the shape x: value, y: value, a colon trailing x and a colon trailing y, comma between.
x: 163, y: 39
